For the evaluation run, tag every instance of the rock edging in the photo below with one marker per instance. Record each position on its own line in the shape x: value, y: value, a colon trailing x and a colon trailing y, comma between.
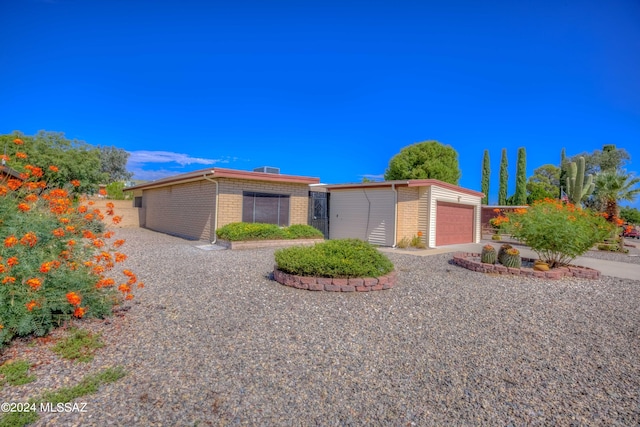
x: 360, y: 284
x: 471, y: 261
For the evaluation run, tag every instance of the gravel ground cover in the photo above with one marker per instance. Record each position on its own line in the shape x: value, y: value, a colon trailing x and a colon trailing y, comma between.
x: 632, y: 257
x: 212, y: 340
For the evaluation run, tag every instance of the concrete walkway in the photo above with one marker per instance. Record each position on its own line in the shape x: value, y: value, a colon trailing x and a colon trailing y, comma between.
x: 621, y: 270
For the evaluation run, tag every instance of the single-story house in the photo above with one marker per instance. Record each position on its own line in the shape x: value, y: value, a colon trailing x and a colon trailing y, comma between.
x: 193, y: 205
x: 384, y: 213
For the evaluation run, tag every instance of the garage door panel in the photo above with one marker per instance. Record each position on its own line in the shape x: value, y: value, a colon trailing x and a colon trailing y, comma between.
x: 454, y: 223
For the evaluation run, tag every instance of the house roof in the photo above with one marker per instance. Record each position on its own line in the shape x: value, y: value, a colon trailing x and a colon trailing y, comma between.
x: 225, y: 173
x: 9, y: 171
x: 406, y: 183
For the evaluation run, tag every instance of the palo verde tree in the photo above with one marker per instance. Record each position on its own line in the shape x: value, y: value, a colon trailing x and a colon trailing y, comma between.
x: 504, y: 179
x: 520, y: 196
x: 486, y: 176
x: 425, y: 160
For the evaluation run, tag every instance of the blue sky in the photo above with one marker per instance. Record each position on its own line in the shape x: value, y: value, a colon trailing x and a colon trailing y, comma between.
x: 329, y: 89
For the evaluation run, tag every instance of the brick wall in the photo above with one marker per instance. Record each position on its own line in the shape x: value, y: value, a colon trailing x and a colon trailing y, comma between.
x: 184, y: 210
x: 230, y: 198
x: 408, y: 210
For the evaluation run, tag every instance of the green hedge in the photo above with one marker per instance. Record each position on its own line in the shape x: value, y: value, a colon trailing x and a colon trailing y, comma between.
x: 334, y: 258
x: 239, y: 231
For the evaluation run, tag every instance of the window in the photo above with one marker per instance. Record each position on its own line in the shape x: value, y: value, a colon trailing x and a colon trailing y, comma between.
x: 137, y: 202
x: 265, y: 207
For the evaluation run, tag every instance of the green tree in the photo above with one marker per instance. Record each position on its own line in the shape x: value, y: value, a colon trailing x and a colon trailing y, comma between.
x: 630, y: 215
x: 611, y: 187
x: 486, y: 176
x: 564, y: 165
x: 609, y: 158
x: 113, y: 163
x: 74, y: 160
x: 544, y: 183
x: 520, y: 196
x: 425, y: 160
x: 504, y: 179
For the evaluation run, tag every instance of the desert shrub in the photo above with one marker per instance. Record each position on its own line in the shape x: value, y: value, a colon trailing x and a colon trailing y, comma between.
x: 115, y: 191
x: 403, y: 243
x: 54, y: 256
x: 303, y: 231
x: 238, y: 231
x: 556, y: 231
x: 334, y: 258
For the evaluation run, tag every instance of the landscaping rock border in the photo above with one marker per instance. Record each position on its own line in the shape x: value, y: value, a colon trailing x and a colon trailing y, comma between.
x: 256, y: 244
x: 360, y: 284
x: 471, y: 261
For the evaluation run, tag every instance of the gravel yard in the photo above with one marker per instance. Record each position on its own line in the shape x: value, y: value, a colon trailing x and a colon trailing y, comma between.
x: 212, y: 340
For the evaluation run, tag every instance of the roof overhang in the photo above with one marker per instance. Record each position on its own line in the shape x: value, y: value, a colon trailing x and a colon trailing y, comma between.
x: 406, y: 183
x: 225, y: 173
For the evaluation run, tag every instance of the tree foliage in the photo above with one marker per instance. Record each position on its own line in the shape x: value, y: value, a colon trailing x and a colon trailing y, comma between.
x: 630, y: 215
x: 504, y: 179
x: 113, y: 163
x: 544, y: 183
x: 520, y: 196
x: 75, y: 160
x: 611, y: 187
x: 609, y: 158
x: 486, y: 177
x: 425, y: 160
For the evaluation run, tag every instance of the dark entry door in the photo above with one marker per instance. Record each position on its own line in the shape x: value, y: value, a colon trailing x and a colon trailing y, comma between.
x: 319, y: 211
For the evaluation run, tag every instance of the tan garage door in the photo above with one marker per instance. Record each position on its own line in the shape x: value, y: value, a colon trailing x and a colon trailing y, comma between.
x: 454, y: 224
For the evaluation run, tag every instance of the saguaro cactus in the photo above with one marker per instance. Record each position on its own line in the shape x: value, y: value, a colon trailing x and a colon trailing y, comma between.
x: 579, y: 186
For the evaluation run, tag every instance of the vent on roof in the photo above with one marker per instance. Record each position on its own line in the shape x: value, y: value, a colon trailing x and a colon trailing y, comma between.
x: 267, y: 169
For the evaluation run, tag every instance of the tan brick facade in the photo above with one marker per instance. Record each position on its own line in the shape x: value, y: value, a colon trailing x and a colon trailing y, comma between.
x: 188, y: 209
x: 408, y: 213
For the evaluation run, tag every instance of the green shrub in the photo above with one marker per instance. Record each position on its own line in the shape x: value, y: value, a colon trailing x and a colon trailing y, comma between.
x: 403, y: 243
x: 334, y: 258
x: 557, y: 232
x: 80, y: 345
x: 55, y: 257
x: 15, y: 372
x: 114, y: 191
x: 239, y: 231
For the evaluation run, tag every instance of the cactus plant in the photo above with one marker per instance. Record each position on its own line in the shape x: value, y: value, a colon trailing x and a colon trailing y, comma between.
x: 511, y: 258
x: 579, y: 186
x: 488, y: 255
x: 502, y: 250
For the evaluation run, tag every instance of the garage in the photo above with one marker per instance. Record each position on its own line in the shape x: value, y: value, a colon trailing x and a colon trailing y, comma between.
x: 454, y: 223
x: 391, y: 213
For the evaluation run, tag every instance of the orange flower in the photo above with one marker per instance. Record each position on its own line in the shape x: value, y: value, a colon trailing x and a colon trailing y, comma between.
x: 21, y: 155
x: 140, y: 285
x: 108, y: 234
x: 2, y: 268
x: 124, y: 288
x: 24, y: 207
x: 70, y: 228
x: 128, y: 273
x: 105, y: 283
x: 82, y: 209
x: 75, y: 183
x: 79, y: 312
x: 117, y: 219
x: 129, y: 297
x: 53, y: 168
x: 8, y: 279
x: 45, y: 267
x: 12, y: 261
x: 59, y: 193
x: 34, y: 283
x: 110, y: 205
x: 14, y: 184
x: 10, y: 241
x: 64, y: 220
x: 58, y: 232
x: 31, y: 198
x: 71, y: 242
x: 87, y: 234
x: 91, y: 203
x: 102, y: 192
x: 98, y: 243
x: 29, y: 239
x: 74, y: 299
x: 18, y: 141
x: 118, y: 243
x: 3, y: 190
x: 88, y: 217
x: 31, y: 305
x: 120, y: 257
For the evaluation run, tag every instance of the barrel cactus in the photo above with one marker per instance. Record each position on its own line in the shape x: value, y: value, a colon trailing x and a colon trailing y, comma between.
x: 502, y: 250
x: 489, y: 254
x: 511, y: 258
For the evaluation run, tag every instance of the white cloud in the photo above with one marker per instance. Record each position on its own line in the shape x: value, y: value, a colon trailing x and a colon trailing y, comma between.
x: 142, y: 157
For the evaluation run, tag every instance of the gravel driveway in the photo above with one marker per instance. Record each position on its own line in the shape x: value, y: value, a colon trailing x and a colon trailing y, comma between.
x: 211, y: 340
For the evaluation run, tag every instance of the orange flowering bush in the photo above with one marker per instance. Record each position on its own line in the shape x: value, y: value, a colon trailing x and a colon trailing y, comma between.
x: 57, y: 261
x: 558, y: 232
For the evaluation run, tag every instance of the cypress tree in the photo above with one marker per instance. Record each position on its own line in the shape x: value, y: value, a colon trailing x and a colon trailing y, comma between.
x: 504, y: 178
x: 520, y: 197
x: 486, y: 175
x: 563, y: 172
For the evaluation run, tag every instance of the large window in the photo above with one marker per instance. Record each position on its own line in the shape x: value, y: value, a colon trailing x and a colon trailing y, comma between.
x: 265, y: 207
